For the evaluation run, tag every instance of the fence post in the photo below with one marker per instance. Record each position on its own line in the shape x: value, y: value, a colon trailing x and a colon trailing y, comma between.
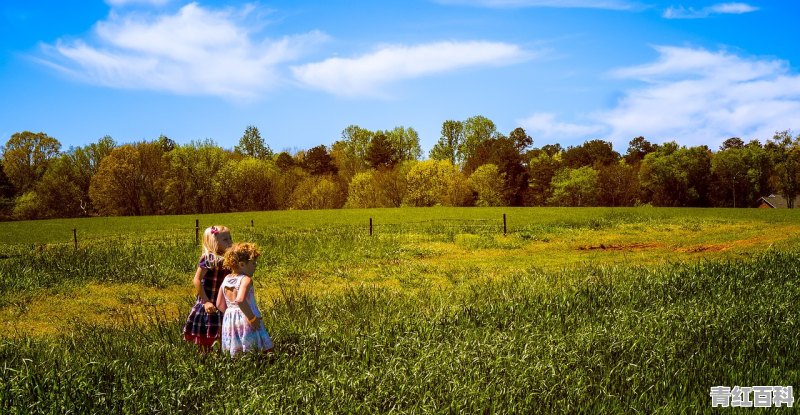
x: 370, y: 226
x: 75, y: 237
x: 504, y: 225
x: 251, y: 223
x: 197, y: 231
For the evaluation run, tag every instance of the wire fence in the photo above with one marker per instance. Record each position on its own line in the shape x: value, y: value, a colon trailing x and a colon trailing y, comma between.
x: 182, y: 236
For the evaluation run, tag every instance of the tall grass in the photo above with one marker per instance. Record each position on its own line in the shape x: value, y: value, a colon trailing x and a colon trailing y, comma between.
x: 597, y: 340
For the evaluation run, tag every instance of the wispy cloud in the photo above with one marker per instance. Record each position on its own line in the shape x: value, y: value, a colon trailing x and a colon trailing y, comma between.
x: 196, y: 51
x: 698, y: 96
x: 587, y: 4
x: 545, y: 126
x: 367, y: 75
x: 681, y: 12
x: 693, y: 96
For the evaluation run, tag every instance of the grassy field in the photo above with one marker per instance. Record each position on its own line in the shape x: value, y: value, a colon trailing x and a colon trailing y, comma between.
x: 573, y: 310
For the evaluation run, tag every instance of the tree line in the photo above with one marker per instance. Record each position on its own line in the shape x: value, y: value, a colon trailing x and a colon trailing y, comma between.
x: 472, y: 164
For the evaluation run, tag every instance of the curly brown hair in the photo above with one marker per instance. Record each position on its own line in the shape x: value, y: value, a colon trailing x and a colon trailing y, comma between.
x: 240, y: 252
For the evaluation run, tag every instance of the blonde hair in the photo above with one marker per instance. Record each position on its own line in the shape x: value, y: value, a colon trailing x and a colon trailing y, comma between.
x: 210, y: 245
x: 240, y: 252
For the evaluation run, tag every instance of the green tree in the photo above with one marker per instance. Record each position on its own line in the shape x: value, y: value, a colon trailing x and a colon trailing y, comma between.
x: 6, y: 195
x: 593, y: 153
x: 447, y: 148
x: 116, y: 188
x: 521, y: 139
x: 249, y: 185
x: 458, y: 191
x: 288, y: 181
x: 618, y: 184
x: 697, y: 162
x: 362, y: 191
x: 637, y: 149
x: 382, y: 153
x: 759, y: 170
x: 58, y: 192
x: 152, y: 175
x: 733, y: 142
x: 6, y: 188
x: 552, y: 149
x: 130, y: 181
x: 676, y: 176
x: 317, y: 161
x: 504, y: 153
x: 26, y: 157
x: 405, y: 141
x: 252, y: 145
x: 392, y: 184
x: 477, y: 129
x: 284, y: 161
x: 785, y: 155
x: 192, y: 177
x: 86, y: 161
x: 63, y: 190
x: 318, y: 192
x: 27, y: 206
x: 575, y: 187
x: 436, y: 182
x: 730, y: 175
x: 379, y: 188
x: 350, y: 152
x: 541, y: 170
x: 487, y: 181
x: 167, y: 144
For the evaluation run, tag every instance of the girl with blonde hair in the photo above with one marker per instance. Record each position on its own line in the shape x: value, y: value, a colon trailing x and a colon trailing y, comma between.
x: 203, y: 324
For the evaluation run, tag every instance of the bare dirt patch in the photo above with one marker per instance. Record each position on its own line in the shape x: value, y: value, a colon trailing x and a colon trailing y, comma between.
x: 703, y: 248
x: 619, y: 247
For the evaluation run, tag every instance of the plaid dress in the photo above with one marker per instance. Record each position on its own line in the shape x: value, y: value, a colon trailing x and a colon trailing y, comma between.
x: 202, y: 328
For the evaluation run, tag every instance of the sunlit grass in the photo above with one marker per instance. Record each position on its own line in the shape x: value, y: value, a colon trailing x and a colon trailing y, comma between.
x: 593, y: 339
x: 574, y: 310
x: 427, y: 254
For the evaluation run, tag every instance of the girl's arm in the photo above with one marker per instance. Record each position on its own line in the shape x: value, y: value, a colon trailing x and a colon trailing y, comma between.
x: 221, y: 304
x: 243, y: 304
x: 198, y: 288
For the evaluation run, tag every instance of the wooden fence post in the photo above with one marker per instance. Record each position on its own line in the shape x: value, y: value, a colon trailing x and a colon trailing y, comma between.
x: 251, y: 223
x: 504, y: 225
x: 75, y: 237
x: 370, y: 226
x: 197, y: 231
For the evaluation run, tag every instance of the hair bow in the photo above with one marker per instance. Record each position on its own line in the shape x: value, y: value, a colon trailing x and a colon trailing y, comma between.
x: 214, y: 230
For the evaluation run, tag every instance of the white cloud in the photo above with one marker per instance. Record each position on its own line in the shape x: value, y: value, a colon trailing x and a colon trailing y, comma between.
x: 683, y: 63
x: 701, y: 97
x: 681, y: 12
x: 196, y: 51
x: 693, y: 96
x: 544, y: 126
x: 367, y: 75
x: 588, y: 4
x: 732, y: 8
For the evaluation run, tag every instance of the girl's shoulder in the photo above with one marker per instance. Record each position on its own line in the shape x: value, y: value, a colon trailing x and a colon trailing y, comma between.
x: 232, y: 280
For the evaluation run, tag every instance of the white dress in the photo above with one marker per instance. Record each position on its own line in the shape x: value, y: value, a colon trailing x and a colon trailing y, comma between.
x: 237, y: 334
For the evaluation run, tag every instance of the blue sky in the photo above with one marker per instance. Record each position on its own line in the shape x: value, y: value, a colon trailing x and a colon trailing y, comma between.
x: 567, y: 71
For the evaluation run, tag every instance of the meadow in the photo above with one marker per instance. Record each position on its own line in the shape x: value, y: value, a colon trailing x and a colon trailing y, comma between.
x: 584, y: 310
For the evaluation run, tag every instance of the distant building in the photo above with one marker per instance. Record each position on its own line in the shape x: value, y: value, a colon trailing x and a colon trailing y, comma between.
x: 776, y: 202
